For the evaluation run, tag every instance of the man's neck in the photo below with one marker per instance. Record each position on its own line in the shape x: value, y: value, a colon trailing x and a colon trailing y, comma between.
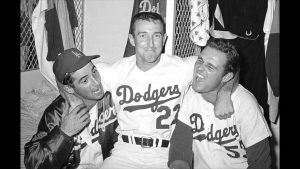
x: 144, y: 66
x: 210, y: 97
x: 90, y: 103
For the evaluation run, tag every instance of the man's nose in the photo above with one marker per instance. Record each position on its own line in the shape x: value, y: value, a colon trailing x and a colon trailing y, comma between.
x: 96, y: 81
x: 150, y: 42
x: 201, y: 68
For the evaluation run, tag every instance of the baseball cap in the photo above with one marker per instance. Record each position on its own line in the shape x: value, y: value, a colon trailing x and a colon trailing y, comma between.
x: 69, y: 61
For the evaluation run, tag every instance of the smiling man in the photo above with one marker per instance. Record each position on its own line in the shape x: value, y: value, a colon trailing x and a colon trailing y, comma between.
x: 146, y: 88
x: 203, y: 141
x: 76, y: 130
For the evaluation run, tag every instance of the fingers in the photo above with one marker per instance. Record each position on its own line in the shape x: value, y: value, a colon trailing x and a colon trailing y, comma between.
x: 85, y: 117
x: 66, y: 107
x: 83, y: 120
x: 82, y: 114
x: 223, y: 116
x: 86, y: 120
x: 78, y: 108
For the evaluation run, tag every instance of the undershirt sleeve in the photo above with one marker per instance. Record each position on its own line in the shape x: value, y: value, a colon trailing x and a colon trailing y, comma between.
x: 258, y: 155
x: 182, y: 137
x: 181, y: 144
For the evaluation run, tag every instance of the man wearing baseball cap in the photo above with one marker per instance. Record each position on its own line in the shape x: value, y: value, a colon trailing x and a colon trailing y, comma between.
x: 77, y: 128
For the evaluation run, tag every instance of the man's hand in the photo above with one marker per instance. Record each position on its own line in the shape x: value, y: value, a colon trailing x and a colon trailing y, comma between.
x: 223, y: 107
x: 74, y: 121
x: 179, y: 164
x: 69, y: 98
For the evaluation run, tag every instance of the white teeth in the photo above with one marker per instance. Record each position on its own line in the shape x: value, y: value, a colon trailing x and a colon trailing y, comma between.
x: 97, y: 91
x: 199, y: 76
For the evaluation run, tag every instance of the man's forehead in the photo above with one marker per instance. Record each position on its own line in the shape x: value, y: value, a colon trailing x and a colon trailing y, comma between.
x: 148, y: 22
x: 212, y: 54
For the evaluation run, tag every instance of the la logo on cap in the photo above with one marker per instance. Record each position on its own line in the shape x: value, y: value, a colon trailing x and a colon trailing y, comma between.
x: 78, y: 55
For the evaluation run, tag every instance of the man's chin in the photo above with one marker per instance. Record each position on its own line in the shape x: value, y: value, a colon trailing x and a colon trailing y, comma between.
x: 196, y: 88
x: 100, y: 96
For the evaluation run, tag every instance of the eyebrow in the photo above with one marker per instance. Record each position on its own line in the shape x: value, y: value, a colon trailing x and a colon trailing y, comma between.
x: 82, y: 77
x: 147, y: 32
x: 93, y: 68
x: 141, y: 33
x: 209, y: 64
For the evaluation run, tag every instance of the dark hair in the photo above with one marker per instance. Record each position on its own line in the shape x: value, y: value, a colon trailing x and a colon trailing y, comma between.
x: 148, y: 16
x: 233, y: 59
x: 68, y: 80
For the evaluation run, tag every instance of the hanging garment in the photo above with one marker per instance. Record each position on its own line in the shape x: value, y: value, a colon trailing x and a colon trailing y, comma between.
x: 268, y: 21
x: 242, y: 18
x: 199, y: 22
x: 72, y: 14
x: 245, y: 19
x: 55, y: 43
x: 273, y: 65
x: 252, y: 69
x: 64, y: 23
x: 272, y: 53
x: 48, y: 35
x: 40, y: 38
x: 219, y: 31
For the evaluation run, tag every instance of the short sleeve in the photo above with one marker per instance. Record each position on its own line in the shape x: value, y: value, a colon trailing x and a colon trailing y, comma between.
x: 186, y: 106
x: 253, y: 125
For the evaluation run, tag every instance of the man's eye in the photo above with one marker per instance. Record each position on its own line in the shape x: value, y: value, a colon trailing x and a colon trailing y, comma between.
x: 85, y: 81
x: 141, y: 35
x: 210, y: 67
x: 158, y: 36
x: 200, y: 60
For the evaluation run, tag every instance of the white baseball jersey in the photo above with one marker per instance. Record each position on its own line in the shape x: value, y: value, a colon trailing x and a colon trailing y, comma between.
x: 88, y: 141
x: 146, y: 102
x: 221, y: 143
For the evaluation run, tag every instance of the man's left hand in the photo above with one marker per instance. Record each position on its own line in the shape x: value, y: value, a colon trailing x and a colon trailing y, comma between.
x: 223, y: 107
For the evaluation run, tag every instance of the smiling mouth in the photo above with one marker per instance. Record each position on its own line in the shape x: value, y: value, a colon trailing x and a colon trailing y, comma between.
x: 97, y: 91
x: 152, y: 51
x: 199, y: 76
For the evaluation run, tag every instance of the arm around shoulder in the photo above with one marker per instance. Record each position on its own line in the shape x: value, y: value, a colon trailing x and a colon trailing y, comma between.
x: 223, y: 107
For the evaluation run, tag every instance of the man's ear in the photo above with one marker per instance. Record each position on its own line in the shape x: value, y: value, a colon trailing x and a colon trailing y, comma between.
x: 165, y: 39
x: 131, y: 39
x: 64, y: 88
x: 227, y: 77
x: 68, y: 89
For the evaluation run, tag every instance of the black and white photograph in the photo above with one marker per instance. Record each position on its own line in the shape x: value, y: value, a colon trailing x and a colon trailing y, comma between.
x: 149, y: 84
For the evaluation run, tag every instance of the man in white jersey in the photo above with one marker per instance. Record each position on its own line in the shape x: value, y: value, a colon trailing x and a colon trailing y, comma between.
x: 76, y: 130
x: 203, y: 141
x: 146, y: 88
